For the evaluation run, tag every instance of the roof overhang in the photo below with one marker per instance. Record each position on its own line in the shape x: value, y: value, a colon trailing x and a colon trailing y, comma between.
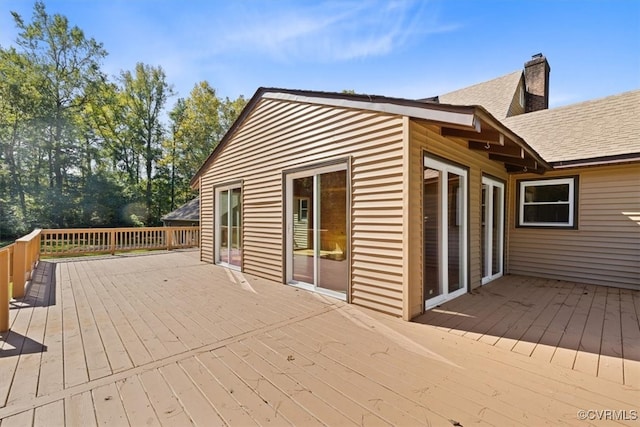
x: 454, y: 116
x: 500, y: 144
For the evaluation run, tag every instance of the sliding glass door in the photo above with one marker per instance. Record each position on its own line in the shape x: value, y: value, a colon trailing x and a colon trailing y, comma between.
x: 316, y: 224
x: 444, y: 231
x: 492, y: 229
x: 228, y: 220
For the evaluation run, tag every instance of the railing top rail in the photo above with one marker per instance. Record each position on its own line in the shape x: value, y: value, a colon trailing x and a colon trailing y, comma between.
x: 8, y: 247
x: 30, y: 236
x: 120, y: 229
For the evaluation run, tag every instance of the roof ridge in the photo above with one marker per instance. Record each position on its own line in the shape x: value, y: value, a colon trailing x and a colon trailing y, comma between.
x: 482, y: 83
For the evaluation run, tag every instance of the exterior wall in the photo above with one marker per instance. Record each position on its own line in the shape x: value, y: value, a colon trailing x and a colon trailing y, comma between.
x: 604, y: 250
x: 427, y: 137
x: 281, y: 135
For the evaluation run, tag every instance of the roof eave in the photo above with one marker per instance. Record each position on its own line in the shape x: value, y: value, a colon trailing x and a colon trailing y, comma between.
x: 485, y: 116
x: 597, y: 161
x: 454, y: 115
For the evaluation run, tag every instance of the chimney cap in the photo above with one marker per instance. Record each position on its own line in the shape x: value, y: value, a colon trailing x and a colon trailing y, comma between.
x: 537, y: 55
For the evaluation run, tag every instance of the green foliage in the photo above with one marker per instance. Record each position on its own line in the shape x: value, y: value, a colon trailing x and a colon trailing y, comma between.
x: 80, y: 150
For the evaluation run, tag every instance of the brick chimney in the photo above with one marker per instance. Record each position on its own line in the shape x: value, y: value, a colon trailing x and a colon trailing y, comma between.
x: 536, y: 80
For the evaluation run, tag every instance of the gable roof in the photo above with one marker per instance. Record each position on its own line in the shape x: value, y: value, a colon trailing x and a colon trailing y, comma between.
x: 496, y: 95
x: 190, y: 211
x: 597, y: 131
x: 461, y: 116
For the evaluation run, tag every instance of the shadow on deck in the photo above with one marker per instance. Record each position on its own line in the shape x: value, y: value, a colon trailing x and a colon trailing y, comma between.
x: 589, y: 328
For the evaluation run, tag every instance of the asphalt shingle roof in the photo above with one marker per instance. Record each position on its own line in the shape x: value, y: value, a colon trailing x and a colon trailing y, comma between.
x: 587, y: 130
x: 190, y: 211
x: 494, y: 95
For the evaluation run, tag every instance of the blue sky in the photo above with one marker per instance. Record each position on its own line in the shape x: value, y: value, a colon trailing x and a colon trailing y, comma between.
x: 410, y: 49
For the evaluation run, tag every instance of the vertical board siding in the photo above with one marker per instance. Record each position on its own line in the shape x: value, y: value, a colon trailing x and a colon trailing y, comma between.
x: 604, y: 250
x: 428, y: 138
x: 281, y: 135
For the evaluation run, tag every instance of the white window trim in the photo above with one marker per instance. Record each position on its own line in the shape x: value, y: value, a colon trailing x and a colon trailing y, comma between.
x: 543, y: 182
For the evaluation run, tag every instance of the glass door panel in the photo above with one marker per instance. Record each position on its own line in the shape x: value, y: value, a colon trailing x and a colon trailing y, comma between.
x: 445, y: 231
x: 496, y: 255
x: 228, y: 226
x: 223, y: 217
x: 455, y: 212
x: 483, y: 231
x: 235, y: 222
x: 317, y: 233
x: 332, y: 259
x: 303, y: 230
x: 431, y: 225
x: 492, y: 229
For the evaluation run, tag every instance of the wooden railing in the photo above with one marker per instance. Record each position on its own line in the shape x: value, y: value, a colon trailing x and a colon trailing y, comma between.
x: 17, y: 262
x: 81, y: 241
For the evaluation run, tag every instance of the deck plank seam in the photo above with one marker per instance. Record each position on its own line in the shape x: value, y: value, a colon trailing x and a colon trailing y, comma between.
x: 89, y: 385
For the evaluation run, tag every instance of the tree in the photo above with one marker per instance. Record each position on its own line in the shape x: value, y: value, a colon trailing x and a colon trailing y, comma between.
x: 144, y: 94
x: 64, y: 65
x: 198, y: 124
x: 78, y: 149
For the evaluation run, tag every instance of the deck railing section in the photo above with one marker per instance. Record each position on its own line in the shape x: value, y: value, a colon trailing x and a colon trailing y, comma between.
x: 63, y: 242
x: 17, y: 262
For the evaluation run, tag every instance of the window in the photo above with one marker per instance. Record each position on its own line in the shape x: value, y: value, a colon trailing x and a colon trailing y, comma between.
x: 547, y: 203
x: 303, y: 209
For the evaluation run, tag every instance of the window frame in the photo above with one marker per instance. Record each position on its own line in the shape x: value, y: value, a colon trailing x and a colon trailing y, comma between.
x: 572, y: 222
x: 303, y: 201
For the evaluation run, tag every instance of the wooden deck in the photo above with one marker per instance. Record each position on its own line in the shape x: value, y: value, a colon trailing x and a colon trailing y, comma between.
x: 163, y: 339
x: 587, y: 328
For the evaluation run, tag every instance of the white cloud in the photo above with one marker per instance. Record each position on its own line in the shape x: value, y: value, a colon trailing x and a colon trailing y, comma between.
x: 330, y: 31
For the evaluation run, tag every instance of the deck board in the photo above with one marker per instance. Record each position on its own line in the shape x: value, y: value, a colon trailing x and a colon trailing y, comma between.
x: 199, y: 409
x: 507, y: 406
x: 551, y: 337
x: 166, y: 340
x: 108, y: 406
x: 587, y: 359
x: 51, y: 414
x: 164, y: 402
x: 136, y: 403
x: 630, y: 339
x: 51, y: 376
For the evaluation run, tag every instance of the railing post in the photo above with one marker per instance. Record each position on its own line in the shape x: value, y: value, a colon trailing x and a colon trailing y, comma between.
x: 19, y: 268
x: 4, y: 290
x: 113, y: 242
x: 169, y: 234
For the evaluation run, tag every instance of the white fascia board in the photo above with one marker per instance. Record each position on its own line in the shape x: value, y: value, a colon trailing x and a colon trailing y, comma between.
x: 426, y: 113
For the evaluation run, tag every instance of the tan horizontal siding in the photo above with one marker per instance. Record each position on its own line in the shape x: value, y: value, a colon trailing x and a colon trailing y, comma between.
x: 427, y: 137
x: 605, y: 249
x: 206, y: 224
x: 281, y: 135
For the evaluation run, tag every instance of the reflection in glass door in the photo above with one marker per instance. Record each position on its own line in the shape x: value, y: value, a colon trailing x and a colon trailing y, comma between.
x: 316, y: 220
x: 492, y: 229
x: 229, y: 226
x: 445, y: 231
